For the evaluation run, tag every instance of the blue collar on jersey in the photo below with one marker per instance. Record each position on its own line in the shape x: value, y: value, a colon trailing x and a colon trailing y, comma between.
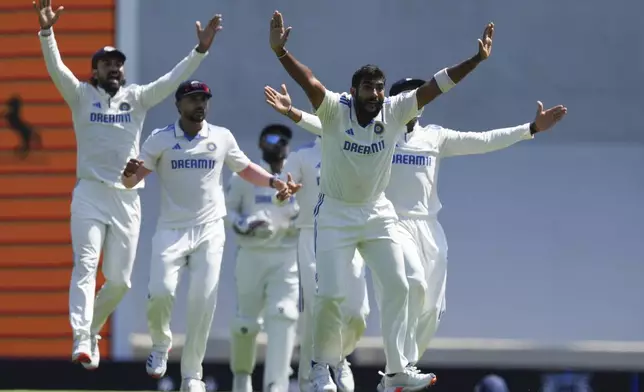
x: 202, y: 134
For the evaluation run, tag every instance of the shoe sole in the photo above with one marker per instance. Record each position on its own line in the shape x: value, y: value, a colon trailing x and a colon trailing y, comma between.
x: 431, y: 383
x: 82, y: 358
x: 155, y: 375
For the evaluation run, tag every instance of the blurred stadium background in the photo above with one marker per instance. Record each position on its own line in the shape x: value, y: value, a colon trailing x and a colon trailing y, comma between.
x: 546, y: 257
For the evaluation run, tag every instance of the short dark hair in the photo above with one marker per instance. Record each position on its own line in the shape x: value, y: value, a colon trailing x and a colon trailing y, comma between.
x: 368, y: 72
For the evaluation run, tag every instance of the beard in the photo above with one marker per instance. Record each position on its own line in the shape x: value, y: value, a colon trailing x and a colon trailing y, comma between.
x: 197, y: 116
x: 112, y: 83
x: 371, y: 107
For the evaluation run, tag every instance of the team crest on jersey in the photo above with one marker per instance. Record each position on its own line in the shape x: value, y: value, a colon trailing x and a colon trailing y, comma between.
x: 125, y: 107
x: 378, y: 128
x: 211, y: 146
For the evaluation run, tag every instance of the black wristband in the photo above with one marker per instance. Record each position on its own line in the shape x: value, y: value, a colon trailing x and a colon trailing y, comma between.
x: 271, y: 182
x: 533, y: 128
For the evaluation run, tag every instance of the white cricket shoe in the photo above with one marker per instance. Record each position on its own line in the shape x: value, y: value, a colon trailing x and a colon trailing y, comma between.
x: 409, y: 380
x: 157, y: 364
x: 95, y: 354
x: 192, y: 385
x: 343, y: 377
x: 82, y: 350
x: 242, y: 383
x: 320, y: 378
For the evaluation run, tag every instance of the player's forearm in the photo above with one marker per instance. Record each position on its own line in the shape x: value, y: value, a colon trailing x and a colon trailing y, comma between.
x: 64, y: 80
x: 309, y: 122
x: 155, y: 92
x: 256, y: 175
x: 445, y: 79
x: 303, y: 76
x: 460, y: 71
x: 466, y: 143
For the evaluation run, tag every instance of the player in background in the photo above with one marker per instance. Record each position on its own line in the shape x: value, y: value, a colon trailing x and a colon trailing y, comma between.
x: 360, y: 130
x: 188, y: 157
x: 108, y: 119
x: 413, y: 191
x: 304, y: 167
x: 266, y: 274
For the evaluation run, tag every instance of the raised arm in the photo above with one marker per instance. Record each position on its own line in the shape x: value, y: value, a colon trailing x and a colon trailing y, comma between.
x: 447, y: 78
x: 314, y: 90
x: 281, y: 102
x: 465, y: 143
x: 64, y: 80
x: 153, y: 93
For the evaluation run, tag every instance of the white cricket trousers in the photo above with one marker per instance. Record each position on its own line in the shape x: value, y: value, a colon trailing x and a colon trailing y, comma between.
x: 108, y: 220
x: 341, y: 228
x: 199, y: 249
x: 267, y: 298
x: 355, y: 308
x: 424, y: 241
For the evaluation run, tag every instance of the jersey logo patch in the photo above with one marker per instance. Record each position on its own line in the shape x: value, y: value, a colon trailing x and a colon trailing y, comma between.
x: 349, y: 131
x: 176, y: 147
x: 97, y: 105
x: 125, y: 107
x: 211, y: 146
x: 378, y: 128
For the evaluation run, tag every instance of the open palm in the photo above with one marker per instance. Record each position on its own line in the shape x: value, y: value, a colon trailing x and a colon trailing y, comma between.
x: 47, y: 17
x: 281, y: 102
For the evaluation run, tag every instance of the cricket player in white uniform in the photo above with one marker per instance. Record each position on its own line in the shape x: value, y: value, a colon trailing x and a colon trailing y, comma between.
x: 266, y: 274
x: 304, y: 165
x: 359, y: 135
x: 413, y: 191
x: 189, y: 156
x: 105, y: 216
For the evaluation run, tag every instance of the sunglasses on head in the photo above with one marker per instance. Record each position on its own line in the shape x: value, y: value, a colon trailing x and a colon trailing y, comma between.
x: 274, y: 139
x: 200, y: 87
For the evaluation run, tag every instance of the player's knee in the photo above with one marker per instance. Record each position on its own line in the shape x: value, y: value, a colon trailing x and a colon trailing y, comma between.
x: 284, y: 309
x: 417, y: 289
x: 160, y: 290
x: 248, y: 327
x: 118, y: 288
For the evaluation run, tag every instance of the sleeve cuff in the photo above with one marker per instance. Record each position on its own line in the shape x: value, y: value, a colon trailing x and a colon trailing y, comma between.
x: 525, y: 131
x: 44, y: 33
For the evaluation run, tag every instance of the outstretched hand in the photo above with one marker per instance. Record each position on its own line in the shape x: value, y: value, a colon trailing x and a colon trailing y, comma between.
x: 286, y: 189
x: 278, y: 34
x: 545, y: 120
x: 485, y: 42
x: 47, y: 17
x: 281, y: 102
x: 206, y: 35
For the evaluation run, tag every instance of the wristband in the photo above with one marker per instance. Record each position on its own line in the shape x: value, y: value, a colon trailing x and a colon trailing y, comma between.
x: 45, y: 32
x: 283, y: 55
x: 444, y: 82
x: 533, y: 128
x: 290, y: 107
x: 271, y: 182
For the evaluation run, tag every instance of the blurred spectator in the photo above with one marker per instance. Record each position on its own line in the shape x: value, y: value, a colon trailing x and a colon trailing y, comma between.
x: 491, y: 383
x: 29, y: 137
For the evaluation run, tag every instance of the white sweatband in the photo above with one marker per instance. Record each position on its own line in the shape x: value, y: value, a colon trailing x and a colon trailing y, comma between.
x: 445, y: 83
x: 45, y: 32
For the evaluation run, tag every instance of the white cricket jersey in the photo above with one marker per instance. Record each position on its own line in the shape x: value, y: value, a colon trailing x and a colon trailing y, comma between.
x: 414, y: 175
x: 244, y: 199
x: 108, y: 129
x: 356, y: 161
x: 304, y: 165
x: 189, y: 171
